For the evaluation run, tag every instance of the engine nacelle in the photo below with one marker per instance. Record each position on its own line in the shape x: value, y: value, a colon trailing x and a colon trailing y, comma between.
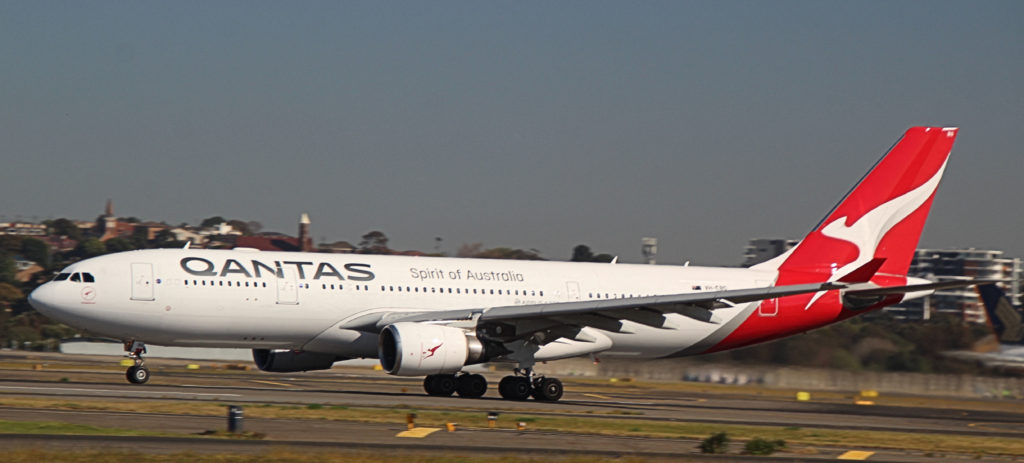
x: 283, y: 361
x: 416, y: 349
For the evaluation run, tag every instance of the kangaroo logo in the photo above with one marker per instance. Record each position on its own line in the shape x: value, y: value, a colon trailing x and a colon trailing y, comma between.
x: 431, y: 351
x: 868, y: 231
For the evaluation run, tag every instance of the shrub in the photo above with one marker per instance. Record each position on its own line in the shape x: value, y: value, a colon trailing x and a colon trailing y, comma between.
x: 715, y: 443
x: 759, y: 446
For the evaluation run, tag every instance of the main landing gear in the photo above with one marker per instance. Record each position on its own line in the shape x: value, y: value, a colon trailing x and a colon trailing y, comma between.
x: 524, y: 383
x: 465, y: 384
x: 520, y: 386
x: 137, y: 374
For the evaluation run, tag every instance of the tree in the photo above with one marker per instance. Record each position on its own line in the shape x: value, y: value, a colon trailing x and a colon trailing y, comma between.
x: 65, y: 227
x: 166, y: 239
x: 91, y: 247
x: 8, y: 268
x: 140, y: 238
x: 374, y: 242
x: 476, y: 250
x: 254, y: 226
x: 36, y: 251
x: 10, y: 243
x: 212, y: 221
x: 118, y: 245
x: 9, y: 293
x: 581, y: 253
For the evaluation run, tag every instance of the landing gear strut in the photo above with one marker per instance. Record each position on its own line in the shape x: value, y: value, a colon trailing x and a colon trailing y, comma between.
x: 137, y: 374
x: 466, y: 385
x: 524, y: 383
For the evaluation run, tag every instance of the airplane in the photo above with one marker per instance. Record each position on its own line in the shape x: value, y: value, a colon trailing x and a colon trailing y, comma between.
x: 433, y: 316
x: 1007, y: 324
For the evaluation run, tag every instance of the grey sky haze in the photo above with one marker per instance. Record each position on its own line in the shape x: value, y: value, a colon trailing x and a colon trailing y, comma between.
x: 523, y: 124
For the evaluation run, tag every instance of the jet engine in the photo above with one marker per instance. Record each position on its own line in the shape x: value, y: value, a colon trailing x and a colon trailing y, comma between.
x: 283, y: 361
x: 416, y: 349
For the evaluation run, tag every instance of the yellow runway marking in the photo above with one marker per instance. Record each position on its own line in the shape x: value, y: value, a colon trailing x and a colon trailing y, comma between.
x: 599, y: 396
x: 418, y: 433
x: 271, y: 382
x: 855, y: 455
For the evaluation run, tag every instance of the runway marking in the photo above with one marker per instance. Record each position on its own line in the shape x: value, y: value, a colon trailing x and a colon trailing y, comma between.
x: 418, y: 433
x: 131, y: 393
x: 855, y: 455
x: 271, y: 382
x: 599, y: 396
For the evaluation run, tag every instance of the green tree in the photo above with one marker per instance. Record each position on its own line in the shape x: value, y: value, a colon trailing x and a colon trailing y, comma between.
x: 36, y: 251
x: 140, y: 238
x: 9, y: 294
x: 8, y: 268
x: 374, y: 242
x: 581, y: 253
x: 87, y: 248
x: 118, y: 245
x: 166, y: 239
x: 10, y: 243
x: 65, y: 227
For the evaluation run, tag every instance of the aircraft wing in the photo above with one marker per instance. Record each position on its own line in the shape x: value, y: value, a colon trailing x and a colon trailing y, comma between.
x: 567, y: 318
x: 603, y: 314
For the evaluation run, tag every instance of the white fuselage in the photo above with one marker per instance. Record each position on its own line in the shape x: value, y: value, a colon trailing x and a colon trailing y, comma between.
x: 287, y: 300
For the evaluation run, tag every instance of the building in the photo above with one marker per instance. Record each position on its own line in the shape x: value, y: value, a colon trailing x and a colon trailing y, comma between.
x: 761, y: 249
x: 959, y: 264
x: 280, y: 242
x: 22, y: 229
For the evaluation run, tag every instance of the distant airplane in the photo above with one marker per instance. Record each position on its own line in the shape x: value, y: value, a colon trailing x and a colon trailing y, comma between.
x: 433, y: 316
x: 1003, y: 317
x: 1006, y: 323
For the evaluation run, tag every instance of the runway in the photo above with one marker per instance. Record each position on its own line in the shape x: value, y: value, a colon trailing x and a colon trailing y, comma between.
x: 365, y: 389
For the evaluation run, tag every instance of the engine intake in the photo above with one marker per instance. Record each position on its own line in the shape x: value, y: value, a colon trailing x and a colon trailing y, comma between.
x: 416, y: 349
x: 284, y: 361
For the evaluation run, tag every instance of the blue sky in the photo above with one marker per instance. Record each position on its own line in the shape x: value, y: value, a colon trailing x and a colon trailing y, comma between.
x: 523, y: 124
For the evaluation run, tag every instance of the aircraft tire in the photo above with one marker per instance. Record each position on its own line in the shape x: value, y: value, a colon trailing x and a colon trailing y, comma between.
x: 471, y: 386
x: 514, y: 388
x: 439, y: 385
x: 137, y: 374
x: 548, y: 390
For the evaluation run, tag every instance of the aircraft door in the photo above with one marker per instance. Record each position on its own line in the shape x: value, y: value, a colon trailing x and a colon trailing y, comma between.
x: 287, y: 289
x: 142, y: 282
x: 573, y: 290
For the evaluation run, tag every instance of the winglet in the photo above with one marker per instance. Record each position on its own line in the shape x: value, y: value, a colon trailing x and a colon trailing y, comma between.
x: 863, y: 273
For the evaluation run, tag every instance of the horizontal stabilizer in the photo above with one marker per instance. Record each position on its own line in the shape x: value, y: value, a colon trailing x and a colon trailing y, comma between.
x: 863, y: 273
x: 888, y: 290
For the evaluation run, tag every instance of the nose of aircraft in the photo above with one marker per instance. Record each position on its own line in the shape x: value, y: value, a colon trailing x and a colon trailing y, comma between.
x: 43, y: 299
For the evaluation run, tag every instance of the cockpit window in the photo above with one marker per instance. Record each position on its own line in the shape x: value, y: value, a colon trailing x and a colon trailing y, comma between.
x: 61, y: 276
x: 76, y: 277
x: 87, y: 277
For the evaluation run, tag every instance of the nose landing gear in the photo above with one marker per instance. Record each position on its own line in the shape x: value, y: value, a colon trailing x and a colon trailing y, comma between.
x: 137, y: 374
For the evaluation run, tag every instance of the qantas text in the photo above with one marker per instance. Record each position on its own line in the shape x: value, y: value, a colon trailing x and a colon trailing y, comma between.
x: 204, y: 267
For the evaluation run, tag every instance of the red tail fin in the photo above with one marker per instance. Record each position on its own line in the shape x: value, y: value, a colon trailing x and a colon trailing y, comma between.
x: 880, y: 218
